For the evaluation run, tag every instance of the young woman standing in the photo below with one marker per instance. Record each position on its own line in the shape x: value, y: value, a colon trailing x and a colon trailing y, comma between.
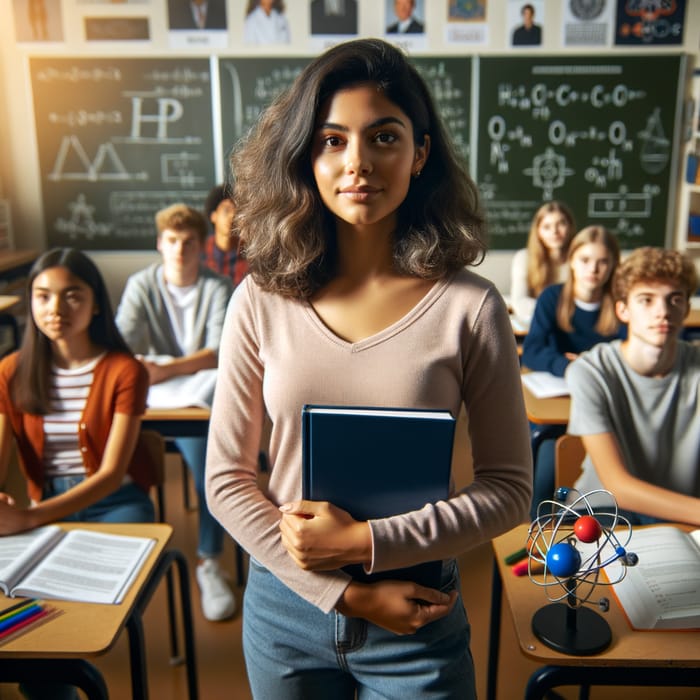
x: 358, y: 220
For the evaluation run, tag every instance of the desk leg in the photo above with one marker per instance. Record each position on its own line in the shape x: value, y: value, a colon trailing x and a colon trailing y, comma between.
x: 137, y: 648
x: 548, y: 677
x: 137, y: 657
x: 77, y: 672
x: 494, y: 632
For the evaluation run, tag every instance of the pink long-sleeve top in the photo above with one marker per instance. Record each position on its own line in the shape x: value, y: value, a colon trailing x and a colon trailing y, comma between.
x: 455, y: 346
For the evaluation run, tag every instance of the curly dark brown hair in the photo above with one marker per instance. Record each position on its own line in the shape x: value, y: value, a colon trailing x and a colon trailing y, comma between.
x: 287, y: 232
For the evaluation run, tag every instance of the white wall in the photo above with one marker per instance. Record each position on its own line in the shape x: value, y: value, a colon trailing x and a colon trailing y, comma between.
x: 19, y: 163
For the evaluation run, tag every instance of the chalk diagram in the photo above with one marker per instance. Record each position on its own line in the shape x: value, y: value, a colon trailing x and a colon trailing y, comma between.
x: 175, y: 169
x: 656, y: 148
x: 73, y: 163
x: 548, y: 171
x: 81, y: 222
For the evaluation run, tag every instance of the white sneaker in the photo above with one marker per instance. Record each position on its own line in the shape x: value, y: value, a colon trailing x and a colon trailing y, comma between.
x: 218, y: 601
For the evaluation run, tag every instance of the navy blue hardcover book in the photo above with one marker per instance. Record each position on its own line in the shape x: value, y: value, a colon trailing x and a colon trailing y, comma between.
x: 378, y: 462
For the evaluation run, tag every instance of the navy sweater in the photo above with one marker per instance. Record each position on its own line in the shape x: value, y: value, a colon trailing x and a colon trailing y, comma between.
x: 545, y: 343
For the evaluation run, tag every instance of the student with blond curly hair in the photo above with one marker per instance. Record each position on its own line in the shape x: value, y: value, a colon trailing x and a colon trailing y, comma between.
x: 636, y: 402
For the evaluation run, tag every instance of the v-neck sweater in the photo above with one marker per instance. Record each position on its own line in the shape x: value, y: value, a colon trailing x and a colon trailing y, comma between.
x: 454, y: 347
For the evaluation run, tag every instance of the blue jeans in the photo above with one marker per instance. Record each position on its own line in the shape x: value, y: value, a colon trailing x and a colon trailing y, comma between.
x: 128, y: 504
x: 211, y: 533
x: 296, y: 652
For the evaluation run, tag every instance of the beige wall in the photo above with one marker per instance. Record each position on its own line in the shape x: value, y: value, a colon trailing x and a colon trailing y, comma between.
x: 19, y: 170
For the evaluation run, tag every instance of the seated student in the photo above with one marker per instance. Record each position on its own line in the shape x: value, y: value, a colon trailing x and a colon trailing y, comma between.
x: 176, y: 309
x: 222, y: 252
x: 569, y: 319
x: 572, y: 317
x: 543, y: 261
x: 72, y: 398
x: 636, y: 402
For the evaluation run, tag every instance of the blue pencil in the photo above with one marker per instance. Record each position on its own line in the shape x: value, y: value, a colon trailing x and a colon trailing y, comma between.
x: 4, y: 614
x: 20, y: 615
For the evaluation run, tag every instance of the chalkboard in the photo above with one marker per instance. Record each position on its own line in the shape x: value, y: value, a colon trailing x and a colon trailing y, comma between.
x: 595, y: 132
x: 449, y: 80
x: 119, y: 139
x: 248, y: 85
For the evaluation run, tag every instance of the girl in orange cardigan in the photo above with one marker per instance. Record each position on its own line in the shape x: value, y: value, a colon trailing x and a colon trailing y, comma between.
x: 72, y: 398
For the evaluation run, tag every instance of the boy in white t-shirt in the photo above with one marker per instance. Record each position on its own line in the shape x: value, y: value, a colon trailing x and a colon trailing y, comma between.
x: 636, y: 402
x: 176, y: 308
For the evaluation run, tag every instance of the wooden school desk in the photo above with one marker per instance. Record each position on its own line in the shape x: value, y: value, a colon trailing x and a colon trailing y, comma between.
x: 7, y: 301
x: 57, y: 650
x: 16, y: 263
x: 548, y: 411
x: 636, y: 658
x: 178, y: 422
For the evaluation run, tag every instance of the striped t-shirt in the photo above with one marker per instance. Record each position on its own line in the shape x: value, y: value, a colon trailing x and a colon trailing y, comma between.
x: 68, y: 394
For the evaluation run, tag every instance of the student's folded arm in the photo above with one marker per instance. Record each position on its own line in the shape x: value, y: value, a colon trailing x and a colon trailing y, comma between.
x: 634, y: 494
x: 188, y: 364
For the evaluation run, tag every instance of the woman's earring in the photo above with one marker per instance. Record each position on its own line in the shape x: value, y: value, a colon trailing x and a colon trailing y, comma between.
x: 417, y: 173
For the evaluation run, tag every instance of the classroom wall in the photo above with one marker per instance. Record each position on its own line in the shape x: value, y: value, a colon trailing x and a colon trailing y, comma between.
x: 20, y: 179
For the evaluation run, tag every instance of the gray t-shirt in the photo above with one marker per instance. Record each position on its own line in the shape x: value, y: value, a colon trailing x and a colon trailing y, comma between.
x: 656, y: 421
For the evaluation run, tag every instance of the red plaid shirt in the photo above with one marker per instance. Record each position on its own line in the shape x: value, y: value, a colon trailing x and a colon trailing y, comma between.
x: 229, y: 263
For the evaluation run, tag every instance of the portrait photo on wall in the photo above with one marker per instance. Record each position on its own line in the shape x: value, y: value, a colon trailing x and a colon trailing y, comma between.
x: 525, y: 18
x: 405, y: 17
x: 38, y: 20
x: 197, y: 14
x: 333, y: 17
x: 266, y: 23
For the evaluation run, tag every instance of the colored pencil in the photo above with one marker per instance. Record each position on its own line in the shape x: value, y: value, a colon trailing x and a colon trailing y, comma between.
x: 18, y: 616
x: 41, y: 616
x: 13, y: 608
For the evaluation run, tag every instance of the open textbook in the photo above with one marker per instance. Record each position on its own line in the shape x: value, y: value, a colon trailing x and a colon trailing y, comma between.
x: 545, y: 385
x: 663, y: 590
x: 83, y: 565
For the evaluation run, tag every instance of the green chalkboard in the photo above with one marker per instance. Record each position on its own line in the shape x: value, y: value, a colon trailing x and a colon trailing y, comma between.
x: 595, y: 132
x: 248, y: 85
x: 118, y: 140
x: 449, y: 80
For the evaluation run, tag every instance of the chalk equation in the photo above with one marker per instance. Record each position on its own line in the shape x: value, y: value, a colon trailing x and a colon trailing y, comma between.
x: 597, y: 135
x: 115, y: 129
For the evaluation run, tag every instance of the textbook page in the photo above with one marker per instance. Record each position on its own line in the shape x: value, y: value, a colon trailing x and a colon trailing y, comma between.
x: 92, y: 567
x: 545, y: 385
x: 186, y: 390
x: 18, y: 553
x: 663, y: 590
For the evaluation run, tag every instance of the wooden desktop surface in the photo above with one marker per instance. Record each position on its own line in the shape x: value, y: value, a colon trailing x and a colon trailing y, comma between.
x: 86, y: 629
x: 7, y: 301
x: 692, y: 320
x: 188, y: 413
x: 548, y: 411
x: 629, y: 647
x: 178, y: 422
x: 11, y: 260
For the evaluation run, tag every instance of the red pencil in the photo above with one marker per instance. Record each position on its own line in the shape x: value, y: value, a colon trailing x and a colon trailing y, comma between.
x: 22, y: 625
